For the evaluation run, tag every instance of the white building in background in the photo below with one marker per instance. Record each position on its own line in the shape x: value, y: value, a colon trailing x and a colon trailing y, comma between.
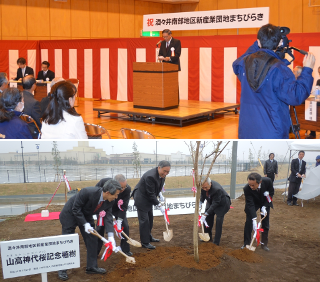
x: 84, y: 154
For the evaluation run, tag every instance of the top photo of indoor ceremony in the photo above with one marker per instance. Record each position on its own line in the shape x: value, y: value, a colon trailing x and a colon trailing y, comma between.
x: 159, y: 69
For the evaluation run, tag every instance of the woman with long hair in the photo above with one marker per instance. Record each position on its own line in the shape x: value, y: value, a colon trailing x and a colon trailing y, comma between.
x: 11, y: 106
x: 60, y: 120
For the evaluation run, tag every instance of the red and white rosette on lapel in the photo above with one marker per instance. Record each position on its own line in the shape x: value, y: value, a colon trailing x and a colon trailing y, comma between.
x: 120, y: 203
x: 100, y: 222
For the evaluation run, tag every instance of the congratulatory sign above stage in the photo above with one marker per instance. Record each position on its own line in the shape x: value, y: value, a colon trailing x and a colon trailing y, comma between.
x: 217, y: 19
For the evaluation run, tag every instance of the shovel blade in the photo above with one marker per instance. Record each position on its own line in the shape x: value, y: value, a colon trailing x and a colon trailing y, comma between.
x: 134, y: 243
x: 204, y: 236
x: 130, y: 260
x: 252, y: 248
x: 167, y: 235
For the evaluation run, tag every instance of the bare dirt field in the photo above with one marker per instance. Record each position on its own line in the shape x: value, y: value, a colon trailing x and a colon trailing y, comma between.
x: 294, y: 244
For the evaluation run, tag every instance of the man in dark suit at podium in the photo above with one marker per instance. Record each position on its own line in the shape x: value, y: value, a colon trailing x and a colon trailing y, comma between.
x: 23, y: 69
x: 45, y: 74
x: 170, y: 49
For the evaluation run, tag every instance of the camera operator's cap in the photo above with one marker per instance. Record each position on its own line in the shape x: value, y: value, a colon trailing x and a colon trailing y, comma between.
x: 284, y: 30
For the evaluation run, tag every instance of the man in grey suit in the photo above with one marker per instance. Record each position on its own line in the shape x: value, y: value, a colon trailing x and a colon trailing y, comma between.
x: 31, y: 105
x: 298, y: 171
x: 218, y: 203
x: 78, y: 211
x: 145, y: 196
x: 270, y: 167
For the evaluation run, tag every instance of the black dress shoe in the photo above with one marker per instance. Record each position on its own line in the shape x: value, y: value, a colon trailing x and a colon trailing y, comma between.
x: 264, y: 247
x: 290, y: 204
x: 295, y: 204
x: 129, y: 254
x: 95, y: 270
x: 154, y: 240
x: 148, y: 246
x: 62, y: 274
x: 243, y: 247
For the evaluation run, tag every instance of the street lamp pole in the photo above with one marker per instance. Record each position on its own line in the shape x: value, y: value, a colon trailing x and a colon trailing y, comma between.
x: 24, y: 171
x: 38, y: 146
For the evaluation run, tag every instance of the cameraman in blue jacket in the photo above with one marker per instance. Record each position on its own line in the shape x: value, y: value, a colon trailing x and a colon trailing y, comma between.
x: 268, y: 86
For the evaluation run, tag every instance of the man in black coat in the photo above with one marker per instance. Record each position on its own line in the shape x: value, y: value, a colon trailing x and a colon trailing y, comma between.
x: 31, y: 105
x: 23, y: 69
x: 270, y: 167
x: 258, y: 195
x: 119, y: 210
x: 45, y: 74
x: 170, y: 49
x: 145, y: 196
x: 218, y: 203
x: 78, y: 211
x: 298, y: 171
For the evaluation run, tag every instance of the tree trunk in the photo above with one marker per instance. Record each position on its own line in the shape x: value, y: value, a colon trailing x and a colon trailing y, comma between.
x: 195, y: 218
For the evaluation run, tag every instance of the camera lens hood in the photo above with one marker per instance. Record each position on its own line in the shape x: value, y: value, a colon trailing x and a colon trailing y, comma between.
x: 284, y: 30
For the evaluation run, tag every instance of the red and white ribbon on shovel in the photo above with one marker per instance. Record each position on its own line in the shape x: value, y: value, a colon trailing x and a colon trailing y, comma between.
x: 120, y: 203
x: 205, y: 222
x: 107, y: 252
x: 166, y: 218
x: 268, y: 196
x: 258, y: 235
x: 67, y: 182
x: 100, y: 221
x: 118, y: 231
x: 194, y: 189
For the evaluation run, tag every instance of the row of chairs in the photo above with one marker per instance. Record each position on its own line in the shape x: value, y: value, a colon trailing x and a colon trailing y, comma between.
x: 95, y: 131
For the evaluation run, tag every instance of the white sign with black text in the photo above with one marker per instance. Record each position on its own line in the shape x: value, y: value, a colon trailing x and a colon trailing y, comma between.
x: 310, y: 110
x: 200, y: 20
x: 39, y: 255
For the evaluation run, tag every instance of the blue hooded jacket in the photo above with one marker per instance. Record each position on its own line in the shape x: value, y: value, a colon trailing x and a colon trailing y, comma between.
x: 268, y: 87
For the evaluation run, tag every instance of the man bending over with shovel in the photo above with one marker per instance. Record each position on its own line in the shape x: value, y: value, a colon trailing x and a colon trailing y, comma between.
x: 258, y: 195
x: 218, y: 203
x: 145, y: 195
x: 119, y: 211
x: 78, y: 211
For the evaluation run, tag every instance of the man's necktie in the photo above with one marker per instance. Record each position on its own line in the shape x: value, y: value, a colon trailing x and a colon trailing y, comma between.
x: 167, y: 46
x: 98, y: 206
x: 300, y: 165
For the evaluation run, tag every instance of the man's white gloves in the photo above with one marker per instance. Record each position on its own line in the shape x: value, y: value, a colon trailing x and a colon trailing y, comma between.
x: 113, y: 242
x: 203, y: 218
x: 88, y: 228
x: 254, y: 224
x: 119, y: 223
x: 263, y: 211
x: 162, y: 209
x: 161, y: 197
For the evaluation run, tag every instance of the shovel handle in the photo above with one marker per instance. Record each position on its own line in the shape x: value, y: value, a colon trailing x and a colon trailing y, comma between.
x: 95, y: 233
x: 122, y: 253
x: 125, y: 235
x: 202, y: 228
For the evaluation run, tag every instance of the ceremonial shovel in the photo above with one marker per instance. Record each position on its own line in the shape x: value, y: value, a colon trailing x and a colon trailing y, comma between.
x: 167, y: 235
x: 251, y: 248
x: 204, y: 236
x: 131, y: 241
x: 128, y: 259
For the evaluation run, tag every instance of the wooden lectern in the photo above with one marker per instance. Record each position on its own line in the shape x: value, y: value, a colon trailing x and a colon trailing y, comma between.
x: 155, y: 86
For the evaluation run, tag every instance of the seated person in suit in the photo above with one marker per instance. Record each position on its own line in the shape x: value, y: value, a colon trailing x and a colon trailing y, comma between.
x: 60, y: 119
x: 45, y: 74
x: 3, y: 81
x: 23, y: 69
x: 11, y: 106
x: 31, y: 105
x: 45, y: 101
x: 170, y: 49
